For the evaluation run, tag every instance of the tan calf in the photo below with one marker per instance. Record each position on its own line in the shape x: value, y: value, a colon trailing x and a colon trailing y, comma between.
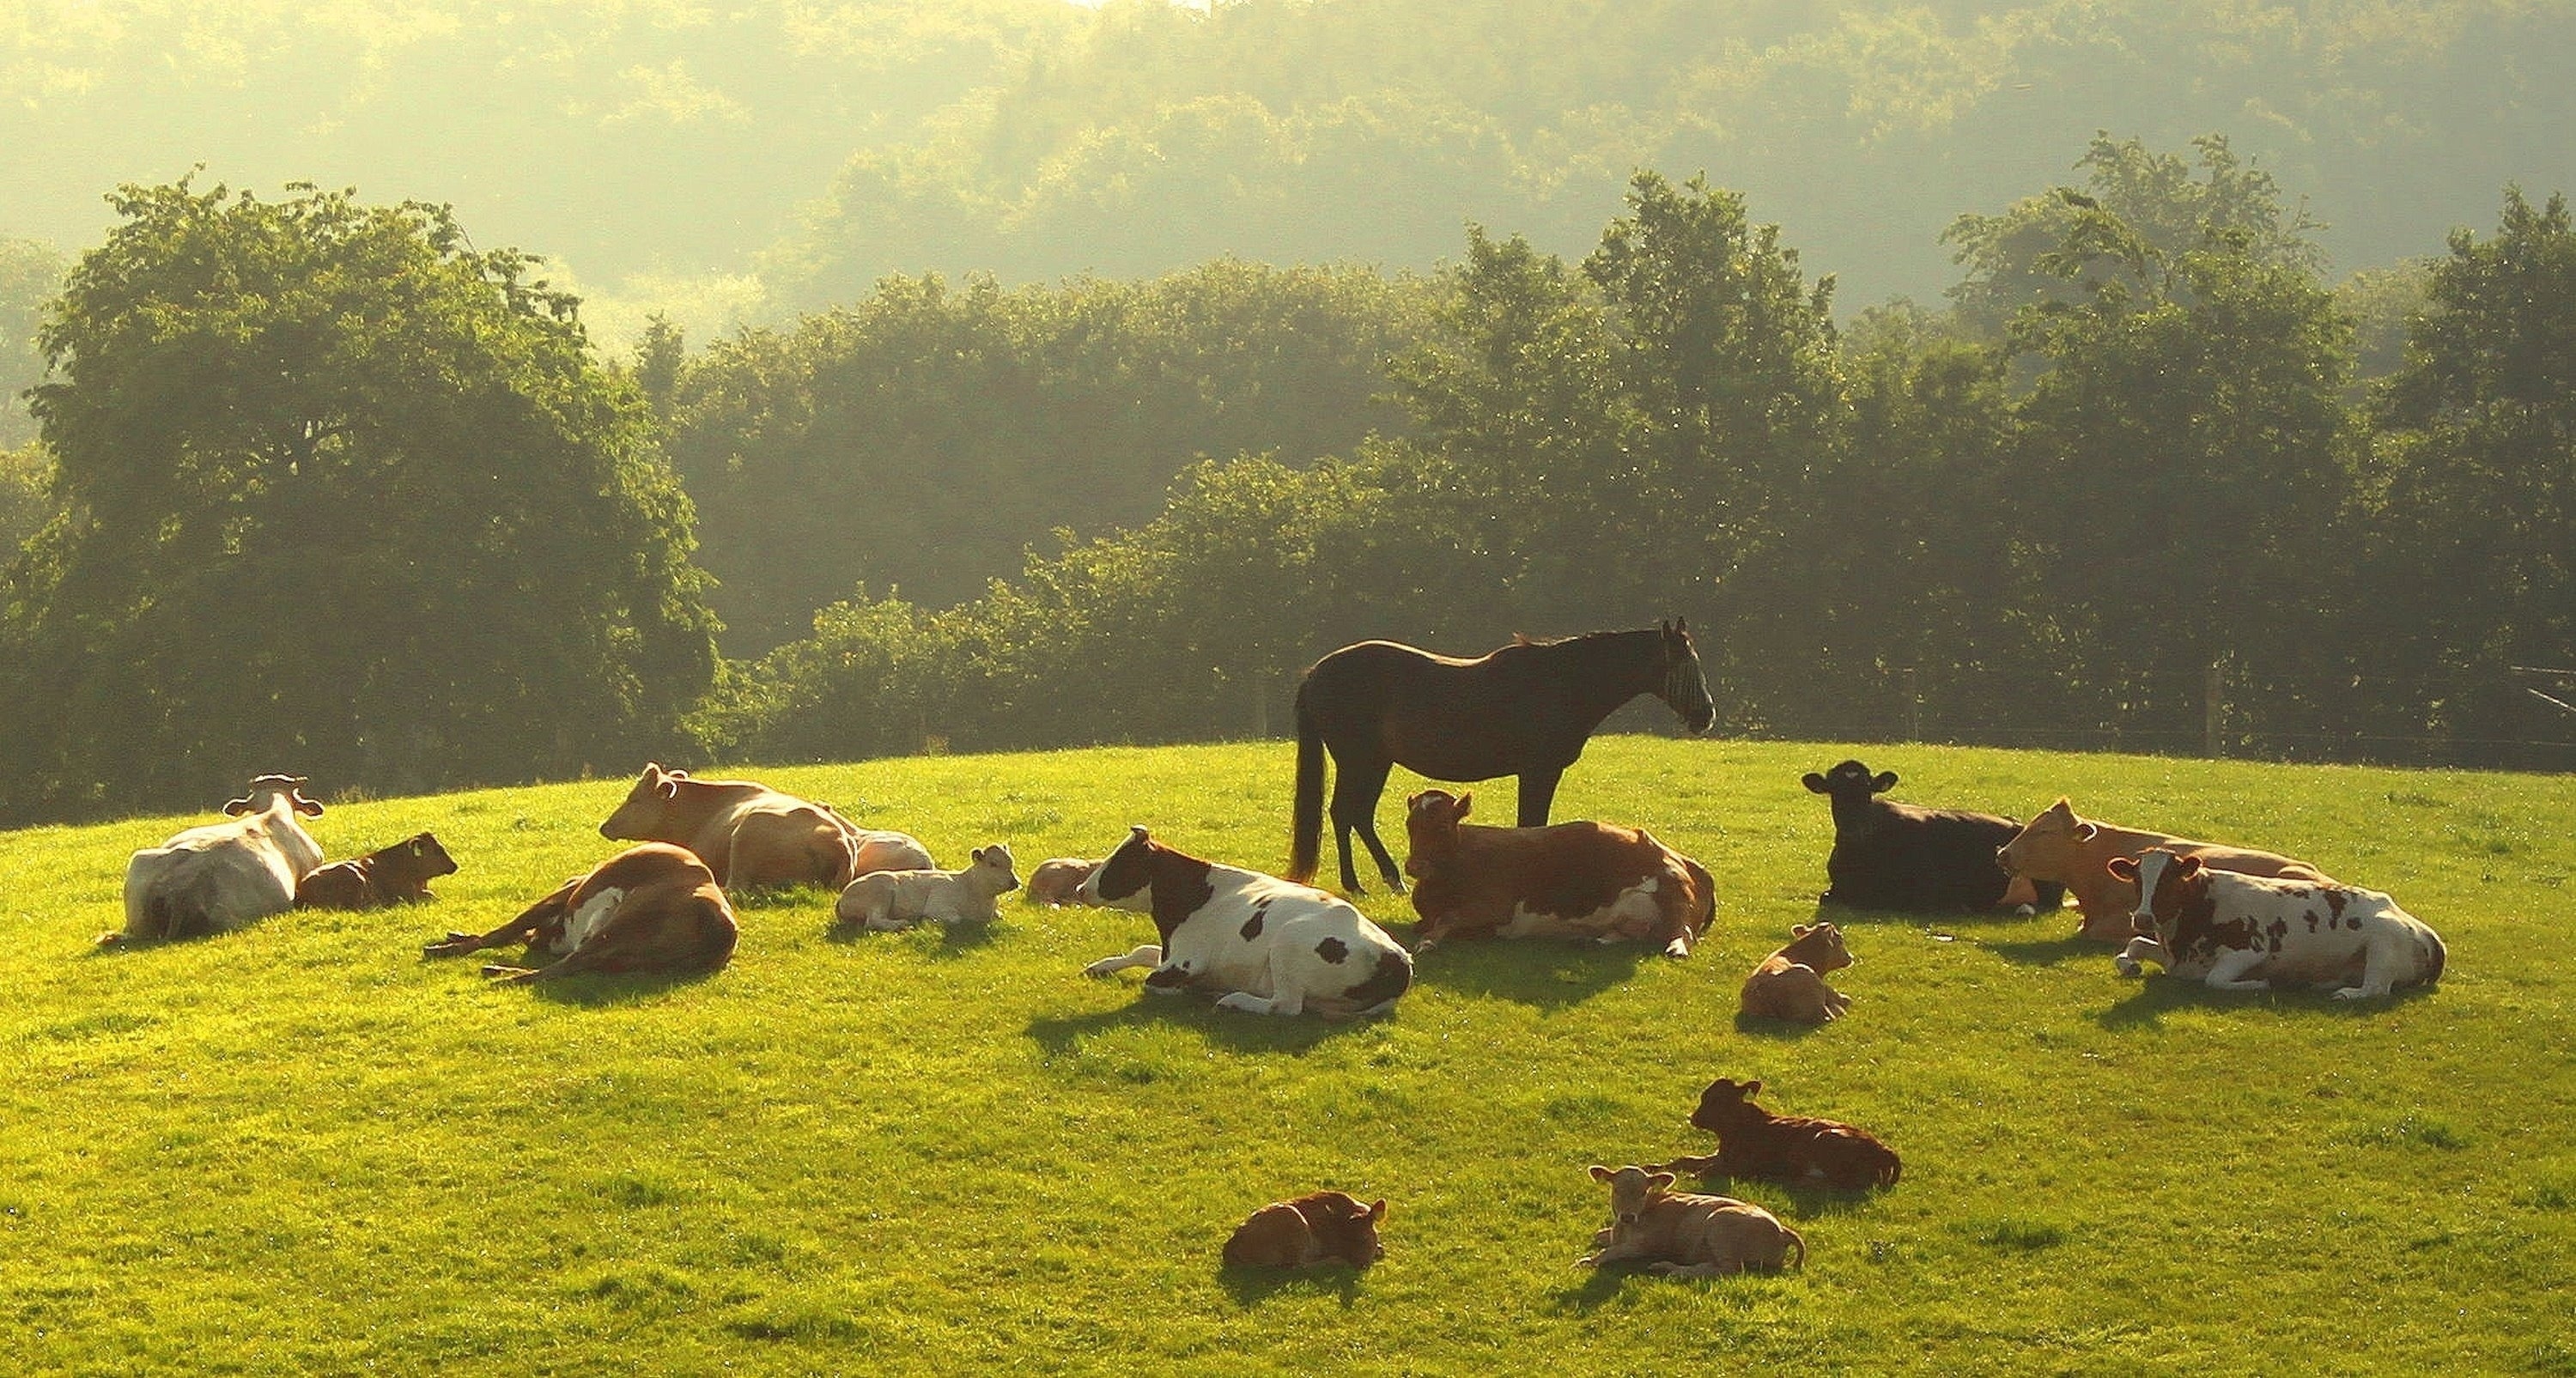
x: 2075, y: 852
x: 1322, y: 1227
x: 1686, y: 1235
x: 1790, y: 983
x: 1054, y: 880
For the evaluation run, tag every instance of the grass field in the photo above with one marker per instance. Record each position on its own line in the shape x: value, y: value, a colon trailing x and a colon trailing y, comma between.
x: 301, y: 1148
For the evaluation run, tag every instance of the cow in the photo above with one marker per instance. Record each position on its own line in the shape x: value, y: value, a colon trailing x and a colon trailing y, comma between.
x: 751, y: 835
x: 1790, y: 983
x: 1269, y: 945
x: 1568, y: 880
x: 1913, y: 859
x: 2238, y: 932
x: 399, y: 874
x: 886, y: 901
x: 1793, y: 1150
x: 1684, y: 1234
x: 651, y: 909
x: 1321, y: 1227
x: 219, y: 877
x: 1055, y: 879
x: 2075, y: 852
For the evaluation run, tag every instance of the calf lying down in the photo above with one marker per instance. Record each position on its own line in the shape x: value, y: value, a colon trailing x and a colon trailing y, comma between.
x: 1793, y: 1150
x: 1055, y: 879
x: 886, y: 901
x: 1321, y: 1227
x: 1686, y: 1235
x: 2237, y: 932
x: 1790, y: 983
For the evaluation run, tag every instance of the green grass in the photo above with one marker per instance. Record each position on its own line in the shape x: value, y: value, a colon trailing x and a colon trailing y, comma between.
x: 300, y: 1148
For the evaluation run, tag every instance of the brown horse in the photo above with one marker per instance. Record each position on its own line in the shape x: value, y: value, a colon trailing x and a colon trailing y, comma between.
x: 1523, y: 710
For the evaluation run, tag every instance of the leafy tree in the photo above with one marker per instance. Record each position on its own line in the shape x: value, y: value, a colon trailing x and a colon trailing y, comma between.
x: 30, y: 273
x: 343, y: 496
x: 26, y: 495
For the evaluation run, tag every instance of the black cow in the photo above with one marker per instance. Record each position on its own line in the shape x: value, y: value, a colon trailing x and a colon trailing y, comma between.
x: 1898, y: 856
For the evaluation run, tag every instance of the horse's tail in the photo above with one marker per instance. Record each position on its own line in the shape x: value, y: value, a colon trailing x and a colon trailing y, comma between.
x: 1306, y: 815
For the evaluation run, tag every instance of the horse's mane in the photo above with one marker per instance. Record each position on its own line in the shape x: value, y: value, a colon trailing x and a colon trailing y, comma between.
x: 1525, y: 639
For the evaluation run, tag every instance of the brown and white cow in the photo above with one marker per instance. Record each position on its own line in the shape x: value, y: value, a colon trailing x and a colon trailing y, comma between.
x: 1269, y: 946
x: 1320, y: 1227
x: 1790, y: 983
x: 652, y: 909
x: 1793, y: 1150
x: 2238, y: 932
x: 1568, y: 880
x: 1684, y: 1234
x: 1055, y: 879
x: 751, y: 835
x: 399, y: 874
x: 219, y: 877
x: 2075, y: 852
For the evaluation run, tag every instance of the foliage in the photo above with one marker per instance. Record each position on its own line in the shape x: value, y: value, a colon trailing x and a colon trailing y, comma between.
x: 930, y: 1152
x: 30, y: 273
x: 26, y: 494
x: 342, y: 496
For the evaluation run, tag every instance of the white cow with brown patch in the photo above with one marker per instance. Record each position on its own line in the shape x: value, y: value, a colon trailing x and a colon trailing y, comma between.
x: 2236, y: 932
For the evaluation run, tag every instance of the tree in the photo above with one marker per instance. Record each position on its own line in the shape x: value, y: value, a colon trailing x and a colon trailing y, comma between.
x: 343, y: 496
x: 30, y: 273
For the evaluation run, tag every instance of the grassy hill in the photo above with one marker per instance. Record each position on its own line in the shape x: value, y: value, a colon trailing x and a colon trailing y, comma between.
x: 300, y: 1148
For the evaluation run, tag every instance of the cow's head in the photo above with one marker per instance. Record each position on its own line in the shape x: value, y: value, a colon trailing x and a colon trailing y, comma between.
x: 1343, y: 1228
x: 1632, y: 1189
x: 639, y: 819
x: 1126, y: 875
x: 423, y: 857
x: 995, y: 863
x: 1431, y: 821
x: 1056, y: 879
x: 1850, y: 786
x: 267, y: 787
x: 1684, y: 688
x: 2159, y: 873
x: 1819, y: 945
x: 2046, y: 847
x: 1725, y: 1103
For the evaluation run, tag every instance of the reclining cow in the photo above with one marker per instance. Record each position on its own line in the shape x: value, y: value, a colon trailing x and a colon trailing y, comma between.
x: 1790, y: 983
x: 1684, y: 1234
x: 2237, y: 932
x: 1568, y: 880
x: 1055, y: 879
x: 650, y: 910
x: 1317, y: 1228
x: 219, y: 877
x: 887, y: 901
x: 2075, y: 852
x: 751, y: 836
x: 1268, y: 946
x: 1792, y: 1150
x: 399, y: 874
x: 1913, y: 859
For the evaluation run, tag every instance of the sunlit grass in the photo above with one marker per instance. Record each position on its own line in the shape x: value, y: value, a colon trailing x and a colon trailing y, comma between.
x: 300, y: 1148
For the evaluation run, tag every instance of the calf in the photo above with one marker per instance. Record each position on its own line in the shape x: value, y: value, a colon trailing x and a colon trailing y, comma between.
x: 1900, y: 856
x: 1323, y: 1227
x: 1269, y: 946
x: 1054, y: 881
x: 219, y: 877
x: 653, y: 909
x: 2239, y: 932
x: 399, y: 874
x: 2058, y: 846
x: 1790, y: 983
x: 1793, y: 1150
x: 751, y: 835
x: 886, y: 901
x: 1686, y: 1235
x: 1571, y: 880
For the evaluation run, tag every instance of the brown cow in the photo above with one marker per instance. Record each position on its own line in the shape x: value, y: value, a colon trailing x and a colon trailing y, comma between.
x: 1054, y: 880
x: 1794, y: 1150
x: 649, y: 909
x: 1570, y: 880
x: 1790, y: 983
x: 399, y: 874
x: 1322, y: 1227
x: 751, y: 835
x: 2075, y: 852
x: 1684, y: 1234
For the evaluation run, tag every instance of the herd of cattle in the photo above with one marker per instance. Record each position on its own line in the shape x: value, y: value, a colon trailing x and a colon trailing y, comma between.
x: 2234, y: 918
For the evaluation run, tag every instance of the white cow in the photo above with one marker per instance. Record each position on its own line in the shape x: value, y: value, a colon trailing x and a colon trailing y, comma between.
x: 2239, y: 932
x: 891, y: 900
x: 219, y: 877
x: 1269, y: 946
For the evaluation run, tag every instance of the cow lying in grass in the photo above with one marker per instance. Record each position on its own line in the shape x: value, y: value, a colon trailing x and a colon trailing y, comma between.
x: 1790, y: 983
x: 399, y: 874
x: 653, y: 909
x: 885, y: 901
x: 1268, y: 946
x: 2059, y: 847
x: 1570, y: 880
x: 1909, y: 858
x: 750, y: 835
x: 2246, y: 932
x: 1055, y: 879
x: 1322, y: 1227
x: 219, y: 877
x: 1793, y: 1150
x: 1686, y: 1235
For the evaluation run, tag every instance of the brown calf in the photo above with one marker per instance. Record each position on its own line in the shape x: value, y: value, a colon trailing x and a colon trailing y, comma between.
x: 1323, y: 1227
x: 1054, y: 880
x: 1571, y: 880
x: 1794, y: 1150
x: 1790, y: 983
x: 750, y: 835
x: 2076, y: 852
x: 399, y: 874
x: 649, y: 909
x: 1686, y: 1235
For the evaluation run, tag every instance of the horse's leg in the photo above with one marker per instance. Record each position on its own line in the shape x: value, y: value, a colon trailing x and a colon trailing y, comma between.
x: 1356, y: 788
x: 1538, y: 791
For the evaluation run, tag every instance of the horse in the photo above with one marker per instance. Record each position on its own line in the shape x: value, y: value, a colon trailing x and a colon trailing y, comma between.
x: 1525, y: 709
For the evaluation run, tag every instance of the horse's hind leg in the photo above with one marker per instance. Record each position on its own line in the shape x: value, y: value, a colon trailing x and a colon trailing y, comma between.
x: 1356, y: 787
x: 1538, y: 793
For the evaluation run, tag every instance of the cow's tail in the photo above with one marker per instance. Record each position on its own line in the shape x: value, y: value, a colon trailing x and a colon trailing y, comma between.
x: 1893, y: 1169
x: 1801, y: 1242
x: 1306, y: 814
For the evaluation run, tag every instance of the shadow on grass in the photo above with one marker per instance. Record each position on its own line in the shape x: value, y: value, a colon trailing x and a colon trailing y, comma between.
x: 2049, y: 952
x: 773, y: 897
x: 1763, y: 1026
x: 2161, y: 992
x: 1230, y: 1029
x: 594, y: 991
x: 1848, y: 916
x: 1544, y: 973
x: 955, y: 939
x: 1805, y: 1202
x: 1599, y: 1285
x: 1252, y: 1286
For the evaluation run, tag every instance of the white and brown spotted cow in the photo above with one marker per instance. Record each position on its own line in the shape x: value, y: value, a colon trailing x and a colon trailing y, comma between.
x: 1269, y: 945
x: 2239, y: 932
x: 653, y: 909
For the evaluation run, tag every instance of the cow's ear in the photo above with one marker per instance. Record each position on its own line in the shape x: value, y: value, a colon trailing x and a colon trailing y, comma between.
x: 235, y: 808
x: 1135, y: 832
x: 1800, y: 930
x: 1751, y: 1087
x: 413, y: 847
x: 2086, y: 832
x: 669, y: 788
x: 1881, y: 783
x: 1466, y: 800
x: 2121, y: 868
x: 2190, y: 866
x: 1815, y: 783
x: 1600, y: 1173
x: 1377, y: 1209
x: 1659, y: 1181
x: 976, y: 856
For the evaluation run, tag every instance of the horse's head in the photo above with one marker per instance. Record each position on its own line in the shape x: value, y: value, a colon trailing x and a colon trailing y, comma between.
x: 1684, y: 689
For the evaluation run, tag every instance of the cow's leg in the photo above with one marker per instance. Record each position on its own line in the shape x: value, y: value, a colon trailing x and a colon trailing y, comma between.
x: 1151, y: 954
x: 2379, y: 964
x: 1693, y: 1270
x: 1689, y: 1166
x: 1356, y: 790
x: 2228, y: 972
x: 527, y: 929
x: 1538, y: 792
x: 2141, y: 949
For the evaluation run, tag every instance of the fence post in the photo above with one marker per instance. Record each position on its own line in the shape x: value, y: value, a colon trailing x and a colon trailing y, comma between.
x: 1913, y: 708
x: 2213, y: 693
